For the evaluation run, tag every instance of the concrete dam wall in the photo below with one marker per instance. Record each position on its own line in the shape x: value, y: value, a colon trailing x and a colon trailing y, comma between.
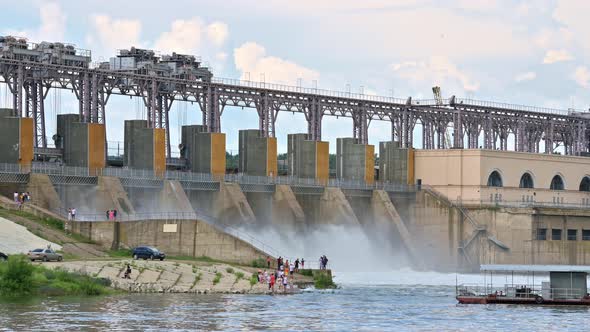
x: 417, y: 228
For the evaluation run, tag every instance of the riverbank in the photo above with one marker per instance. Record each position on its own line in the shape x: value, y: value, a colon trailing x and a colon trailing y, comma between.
x: 19, y: 277
x: 178, y: 276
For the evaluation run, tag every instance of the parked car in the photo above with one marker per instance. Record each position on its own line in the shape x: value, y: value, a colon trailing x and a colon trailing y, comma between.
x: 45, y: 255
x: 148, y: 253
x: 3, y: 256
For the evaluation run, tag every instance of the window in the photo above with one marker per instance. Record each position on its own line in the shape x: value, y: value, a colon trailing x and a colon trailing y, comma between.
x: 556, y: 183
x: 572, y: 234
x: 495, y: 180
x: 526, y: 181
x: 556, y: 234
x: 542, y: 234
x: 585, y: 184
x: 586, y: 234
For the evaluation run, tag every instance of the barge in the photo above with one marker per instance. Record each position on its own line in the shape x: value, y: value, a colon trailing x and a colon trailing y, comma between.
x: 567, y: 285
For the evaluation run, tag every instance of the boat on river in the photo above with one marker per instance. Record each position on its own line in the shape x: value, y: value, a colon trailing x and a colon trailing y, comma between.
x: 567, y: 285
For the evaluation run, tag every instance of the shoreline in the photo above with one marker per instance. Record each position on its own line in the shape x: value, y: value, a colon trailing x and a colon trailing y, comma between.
x: 173, y: 276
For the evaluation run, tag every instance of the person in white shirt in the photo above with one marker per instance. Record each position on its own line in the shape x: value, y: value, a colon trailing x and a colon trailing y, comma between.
x: 73, y: 213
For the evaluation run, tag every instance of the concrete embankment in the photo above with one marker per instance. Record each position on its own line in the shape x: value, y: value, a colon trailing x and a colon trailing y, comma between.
x: 17, y: 239
x: 175, y: 276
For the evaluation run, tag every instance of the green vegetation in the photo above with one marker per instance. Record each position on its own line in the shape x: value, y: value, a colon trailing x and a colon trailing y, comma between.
x: 239, y: 276
x: 229, y: 270
x: 306, y: 272
x: 259, y: 263
x: 19, y: 277
x: 197, y: 279
x: 253, y: 280
x: 123, y: 253
x: 323, y: 281
x: 217, y: 278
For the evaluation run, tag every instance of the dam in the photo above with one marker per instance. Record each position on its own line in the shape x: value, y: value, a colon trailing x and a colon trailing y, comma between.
x: 448, y: 206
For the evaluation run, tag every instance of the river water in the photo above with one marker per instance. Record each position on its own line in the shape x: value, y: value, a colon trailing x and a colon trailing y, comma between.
x: 365, y: 301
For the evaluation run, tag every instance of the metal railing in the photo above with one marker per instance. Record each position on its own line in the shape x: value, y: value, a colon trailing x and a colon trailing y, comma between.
x: 521, y: 291
x: 515, y: 107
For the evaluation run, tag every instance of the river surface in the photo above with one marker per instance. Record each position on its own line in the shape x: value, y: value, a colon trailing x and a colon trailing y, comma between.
x: 365, y: 302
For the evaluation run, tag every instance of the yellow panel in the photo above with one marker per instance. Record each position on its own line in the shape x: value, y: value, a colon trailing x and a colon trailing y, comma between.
x: 322, y: 162
x: 370, y: 164
x: 411, y: 166
x: 159, y: 151
x: 271, y: 157
x: 96, y: 147
x: 25, y: 157
x: 218, y: 154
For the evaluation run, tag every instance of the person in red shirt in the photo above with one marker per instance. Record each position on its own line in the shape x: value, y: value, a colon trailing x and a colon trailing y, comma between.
x: 271, y: 284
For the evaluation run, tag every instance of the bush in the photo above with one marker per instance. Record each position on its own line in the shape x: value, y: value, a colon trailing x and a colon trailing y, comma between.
x: 217, y: 278
x: 253, y: 280
x: 259, y: 263
x: 323, y: 281
x: 16, y: 276
x: 229, y: 270
x: 239, y: 276
x: 306, y: 272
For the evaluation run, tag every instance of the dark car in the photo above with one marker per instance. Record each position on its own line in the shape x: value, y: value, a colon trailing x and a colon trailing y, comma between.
x: 148, y: 253
x: 3, y: 256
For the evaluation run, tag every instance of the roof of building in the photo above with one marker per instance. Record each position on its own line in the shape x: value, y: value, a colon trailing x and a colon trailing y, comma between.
x: 534, y: 268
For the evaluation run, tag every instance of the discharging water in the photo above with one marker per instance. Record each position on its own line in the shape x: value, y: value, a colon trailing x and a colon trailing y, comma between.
x: 364, y: 302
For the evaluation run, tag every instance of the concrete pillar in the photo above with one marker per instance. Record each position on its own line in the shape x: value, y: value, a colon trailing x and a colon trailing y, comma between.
x: 258, y: 154
x: 83, y: 144
x: 355, y: 161
x: 16, y: 145
x: 396, y: 164
x: 145, y: 148
x: 307, y: 158
x: 204, y: 151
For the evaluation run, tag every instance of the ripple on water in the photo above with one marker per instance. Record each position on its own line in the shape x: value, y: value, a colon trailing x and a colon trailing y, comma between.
x: 365, y: 308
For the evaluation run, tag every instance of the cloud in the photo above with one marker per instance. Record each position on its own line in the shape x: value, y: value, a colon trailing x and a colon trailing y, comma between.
x: 478, y: 5
x: 251, y: 58
x: 573, y: 15
x: 52, y: 27
x: 437, y: 71
x: 185, y: 37
x: 582, y: 76
x: 217, y: 33
x: 108, y: 35
x: 523, y: 77
x: 553, y: 56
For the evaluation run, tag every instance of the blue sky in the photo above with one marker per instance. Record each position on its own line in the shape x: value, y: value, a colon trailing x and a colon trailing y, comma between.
x: 525, y: 52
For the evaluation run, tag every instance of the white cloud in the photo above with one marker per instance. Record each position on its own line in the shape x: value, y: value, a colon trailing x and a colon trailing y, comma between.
x: 478, y: 5
x: 553, y: 56
x: 251, y: 58
x: 52, y: 27
x: 582, y: 76
x: 217, y: 33
x: 437, y: 71
x: 184, y: 37
x: 573, y: 15
x: 528, y: 76
x: 221, y: 56
x: 108, y: 35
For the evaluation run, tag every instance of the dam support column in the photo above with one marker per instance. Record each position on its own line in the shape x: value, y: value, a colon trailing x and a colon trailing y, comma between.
x: 83, y: 144
x: 16, y: 146
x: 286, y: 211
x: 396, y: 164
x: 354, y: 161
x: 307, y: 158
x: 145, y: 148
x: 204, y: 151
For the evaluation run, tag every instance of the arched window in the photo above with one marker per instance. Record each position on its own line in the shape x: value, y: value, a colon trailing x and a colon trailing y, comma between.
x: 526, y: 181
x: 556, y: 183
x: 495, y: 180
x: 585, y: 184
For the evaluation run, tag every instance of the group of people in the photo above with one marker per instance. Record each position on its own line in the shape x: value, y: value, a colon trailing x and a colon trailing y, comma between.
x: 71, y: 214
x: 112, y: 214
x: 281, y: 275
x: 323, y: 262
x: 21, y: 198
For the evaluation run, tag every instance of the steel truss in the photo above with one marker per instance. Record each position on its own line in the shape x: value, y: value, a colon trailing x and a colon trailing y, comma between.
x: 474, y: 124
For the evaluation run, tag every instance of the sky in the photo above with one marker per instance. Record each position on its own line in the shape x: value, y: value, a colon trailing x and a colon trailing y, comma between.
x: 522, y: 52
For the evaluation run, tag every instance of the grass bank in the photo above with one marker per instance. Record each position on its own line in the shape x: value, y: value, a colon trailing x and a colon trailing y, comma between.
x: 18, y: 277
